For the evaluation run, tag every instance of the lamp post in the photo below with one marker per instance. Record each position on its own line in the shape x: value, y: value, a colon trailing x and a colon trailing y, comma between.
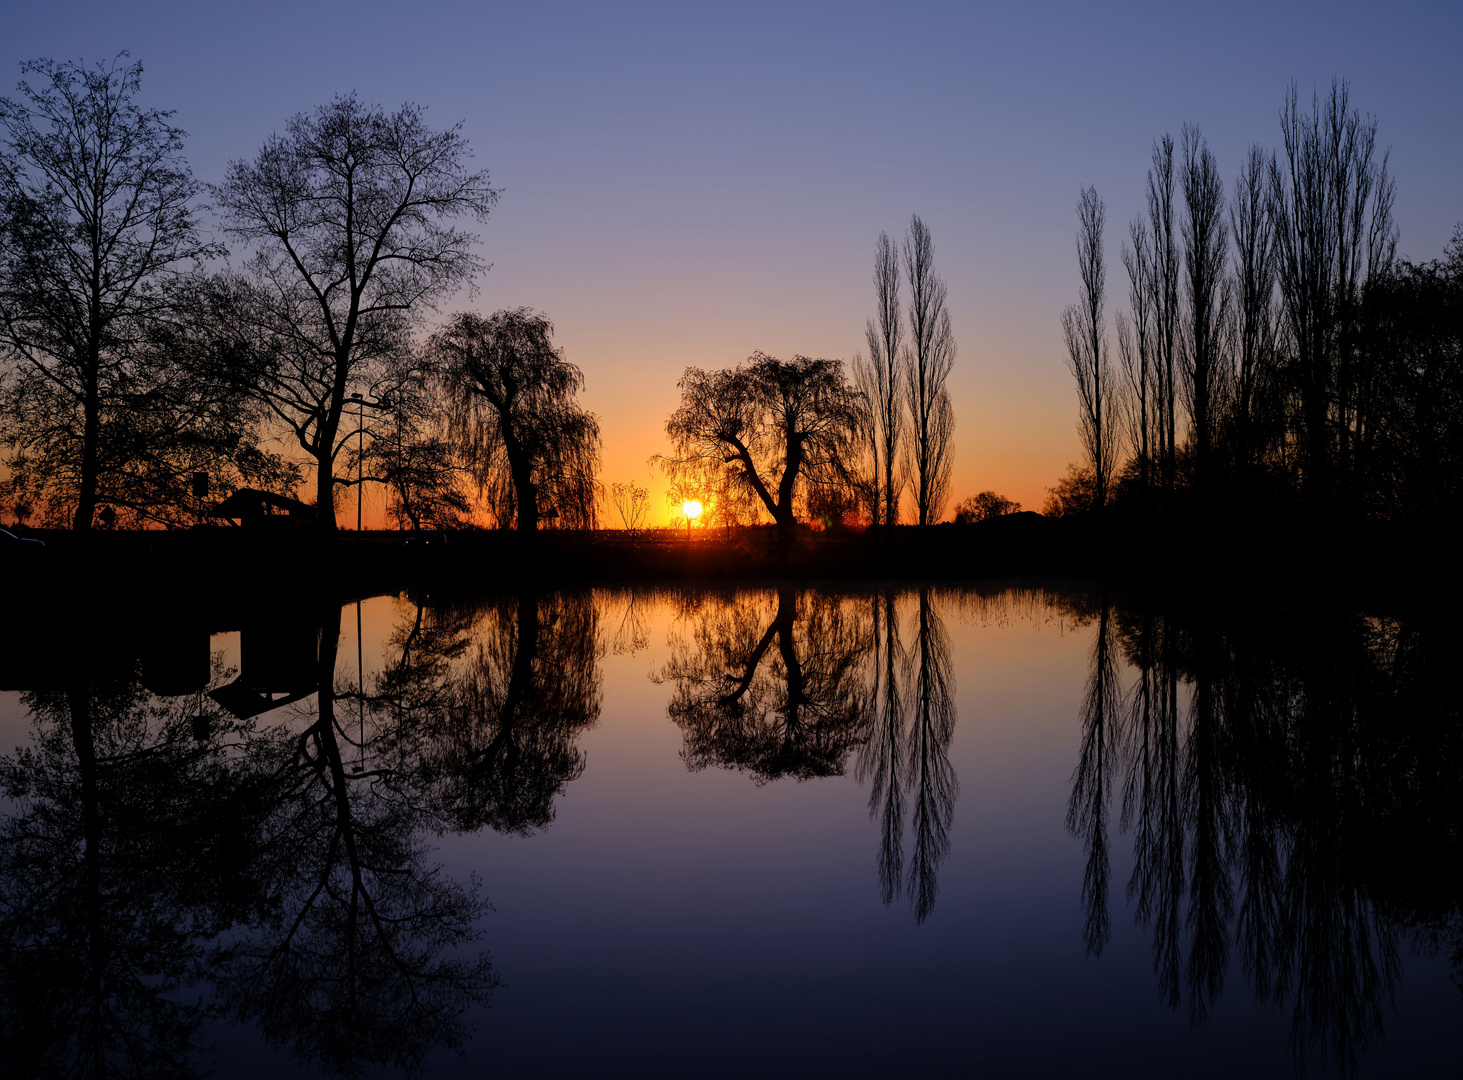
x: 361, y: 404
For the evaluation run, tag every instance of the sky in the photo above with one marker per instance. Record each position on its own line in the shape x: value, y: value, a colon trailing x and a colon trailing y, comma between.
x: 685, y: 184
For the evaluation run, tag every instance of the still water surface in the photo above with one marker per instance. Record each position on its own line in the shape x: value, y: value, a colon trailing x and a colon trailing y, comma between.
x: 772, y: 831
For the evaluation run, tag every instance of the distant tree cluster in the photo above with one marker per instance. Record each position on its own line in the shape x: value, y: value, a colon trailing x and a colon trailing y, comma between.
x: 1275, y: 351
x: 135, y: 373
x: 984, y: 507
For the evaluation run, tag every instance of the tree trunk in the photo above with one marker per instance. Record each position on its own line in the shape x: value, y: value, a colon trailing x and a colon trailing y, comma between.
x: 86, y: 503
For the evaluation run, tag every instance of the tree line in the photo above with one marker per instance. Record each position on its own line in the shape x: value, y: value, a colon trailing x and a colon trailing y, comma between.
x: 140, y: 368
x: 1275, y: 352
x: 144, y: 365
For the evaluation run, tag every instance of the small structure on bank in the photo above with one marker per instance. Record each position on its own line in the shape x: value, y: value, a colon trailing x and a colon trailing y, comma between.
x: 264, y: 511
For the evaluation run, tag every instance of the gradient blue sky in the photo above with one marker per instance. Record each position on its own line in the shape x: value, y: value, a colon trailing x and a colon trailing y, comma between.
x: 684, y: 184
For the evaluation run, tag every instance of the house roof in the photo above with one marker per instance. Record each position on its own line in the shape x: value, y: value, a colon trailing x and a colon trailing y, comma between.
x: 251, y: 502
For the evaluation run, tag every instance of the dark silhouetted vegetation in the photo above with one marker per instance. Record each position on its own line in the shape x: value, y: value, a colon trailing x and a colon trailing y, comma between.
x: 781, y: 430
x: 1278, y: 357
x: 513, y: 412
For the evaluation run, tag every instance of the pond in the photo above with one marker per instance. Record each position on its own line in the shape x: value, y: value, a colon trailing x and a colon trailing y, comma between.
x: 1023, y: 829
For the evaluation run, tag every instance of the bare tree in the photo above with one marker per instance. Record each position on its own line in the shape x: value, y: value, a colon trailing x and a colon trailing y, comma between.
x: 349, y: 215
x: 512, y: 405
x: 1331, y: 202
x: 632, y: 502
x: 97, y: 235
x: 1165, y: 299
x: 1087, y: 358
x: 881, y: 379
x: 1138, y: 353
x: 929, y: 357
x: 788, y: 423
x: 1253, y: 230
x: 1207, y: 294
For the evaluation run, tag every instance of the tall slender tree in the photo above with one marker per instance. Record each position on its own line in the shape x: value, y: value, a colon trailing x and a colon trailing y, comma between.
x: 930, y: 355
x: 1165, y: 298
x: 1253, y: 230
x: 1206, y: 294
x: 881, y: 379
x: 1331, y: 201
x: 1087, y: 355
x: 1137, y: 341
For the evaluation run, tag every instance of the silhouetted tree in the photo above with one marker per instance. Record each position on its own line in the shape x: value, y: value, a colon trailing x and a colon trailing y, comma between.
x: 1082, y: 327
x: 1331, y: 202
x: 632, y: 503
x: 1202, y: 345
x: 1411, y: 338
x: 930, y: 354
x: 791, y: 423
x: 514, y: 414
x: 104, y: 399
x: 881, y: 378
x: 984, y: 507
x: 1138, y: 354
x: 1163, y: 296
x: 1253, y: 230
x: 348, y: 212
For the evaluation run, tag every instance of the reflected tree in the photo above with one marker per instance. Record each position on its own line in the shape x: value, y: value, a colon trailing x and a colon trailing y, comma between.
x: 363, y: 960
x: 881, y: 758
x: 768, y: 690
x: 1087, y: 806
x: 504, y: 746
x: 123, y: 861
x: 1292, y: 794
x: 929, y: 774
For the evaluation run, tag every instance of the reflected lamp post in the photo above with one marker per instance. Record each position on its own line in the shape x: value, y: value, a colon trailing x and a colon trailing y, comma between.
x: 361, y: 404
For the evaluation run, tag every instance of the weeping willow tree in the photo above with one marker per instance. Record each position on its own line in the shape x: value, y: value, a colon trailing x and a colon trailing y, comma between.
x: 512, y: 412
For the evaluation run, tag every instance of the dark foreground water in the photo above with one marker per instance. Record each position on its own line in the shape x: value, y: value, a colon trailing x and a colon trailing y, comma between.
x: 787, y: 832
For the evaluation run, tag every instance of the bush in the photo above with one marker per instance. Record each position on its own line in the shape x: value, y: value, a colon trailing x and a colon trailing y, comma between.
x: 983, y: 507
x: 1075, y: 493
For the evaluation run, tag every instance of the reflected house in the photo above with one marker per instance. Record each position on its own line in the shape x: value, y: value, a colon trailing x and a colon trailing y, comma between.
x: 278, y: 664
x: 53, y: 653
x: 176, y: 659
x: 264, y: 512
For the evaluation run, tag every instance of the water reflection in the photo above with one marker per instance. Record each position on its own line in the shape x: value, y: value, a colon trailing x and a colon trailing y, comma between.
x: 172, y: 859
x: 185, y: 842
x: 1292, y: 791
x: 791, y: 683
x: 499, y: 741
x: 126, y: 860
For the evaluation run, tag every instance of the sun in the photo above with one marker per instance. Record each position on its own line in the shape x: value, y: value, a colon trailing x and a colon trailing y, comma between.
x: 691, y: 508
